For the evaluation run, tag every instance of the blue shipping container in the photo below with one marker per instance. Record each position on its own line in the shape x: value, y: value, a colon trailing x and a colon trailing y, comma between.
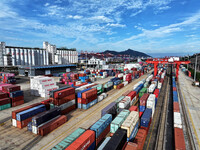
x: 134, y: 132
x: 110, y: 109
x: 30, y: 112
x: 146, y: 117
x: 86, y: 106
x: 101, y: 124
x: 142, y: 108
x: 46, y: 116
x: 16, y: 94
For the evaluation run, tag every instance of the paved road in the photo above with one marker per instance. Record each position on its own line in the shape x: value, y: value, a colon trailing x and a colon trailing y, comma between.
x: 191, y: 97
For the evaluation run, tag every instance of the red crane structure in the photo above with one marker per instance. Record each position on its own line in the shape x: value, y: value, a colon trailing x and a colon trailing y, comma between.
x: 171, y: 60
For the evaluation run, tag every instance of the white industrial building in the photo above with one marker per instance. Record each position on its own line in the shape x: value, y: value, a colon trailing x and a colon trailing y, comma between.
x: 26, y: 56
x: 95, y: 61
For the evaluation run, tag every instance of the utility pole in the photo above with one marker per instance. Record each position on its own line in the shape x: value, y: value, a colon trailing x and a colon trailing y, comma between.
x: 195, y: 71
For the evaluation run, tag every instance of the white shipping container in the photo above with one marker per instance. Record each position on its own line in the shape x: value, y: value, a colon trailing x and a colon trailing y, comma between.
x: 124, y: 103
x: 130, y: 122
x: 177, y: 120
x: 151, y: 88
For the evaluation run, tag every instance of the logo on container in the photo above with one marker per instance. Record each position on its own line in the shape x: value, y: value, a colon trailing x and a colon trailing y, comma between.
x: 85, y: 145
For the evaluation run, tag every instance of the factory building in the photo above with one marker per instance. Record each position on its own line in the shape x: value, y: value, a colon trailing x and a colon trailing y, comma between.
x: 26, y: 56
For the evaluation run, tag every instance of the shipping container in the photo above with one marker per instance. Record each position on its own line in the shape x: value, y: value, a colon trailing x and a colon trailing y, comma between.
x: 84, y: 142
x: 117, y: 141
x: 104, y: 143
x: 110, y: 109
x: 146, y: 117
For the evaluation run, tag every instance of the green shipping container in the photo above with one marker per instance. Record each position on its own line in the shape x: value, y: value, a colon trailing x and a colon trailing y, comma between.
x: 142, y: 91
x: 6, y: 106
x: 117, y: 122
x: 68, y: 140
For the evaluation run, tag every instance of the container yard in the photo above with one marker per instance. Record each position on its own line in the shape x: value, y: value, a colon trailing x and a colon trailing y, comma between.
x: 130, y: 109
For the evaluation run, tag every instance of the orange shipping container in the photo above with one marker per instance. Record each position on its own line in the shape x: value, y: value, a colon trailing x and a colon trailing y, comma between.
x: 176, y: 107
x: 131, y: 146
x: 89, y: 93
x: 83, y: 142
x: 179, y: 139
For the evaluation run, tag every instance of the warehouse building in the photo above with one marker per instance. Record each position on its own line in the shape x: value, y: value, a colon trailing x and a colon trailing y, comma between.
x: 27, y: 56
x: 45, y: 70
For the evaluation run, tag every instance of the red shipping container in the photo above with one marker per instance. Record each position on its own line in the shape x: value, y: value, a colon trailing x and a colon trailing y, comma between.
x: 119, y: 86
x: 147, y: 128
x: 82, y: 74
x: 87, y: 100
x: 140, y: 114
x: 46, y: 103
x: 24, y: 123
x: 143, y: 99
x: 83, y: 142
x: 63, y: 100
x: 4, y: 101
x: 179, y: 139
x: 174, y: 89
x: 156, y: 92
x: 89, y: 93
x: 132, y: 94
x: 131, y: 146
x: 52, y: 125
x: 140, y: 138
x: 11, y: 88
x: 3, y: 95
x: 22, y: 109
x: 19, y: 98
x: 64, y: 93
x: 176, y: 107
x: 17, y: 103
x: 102, y: 135
x: 133, y: 108
x: 67, y: 110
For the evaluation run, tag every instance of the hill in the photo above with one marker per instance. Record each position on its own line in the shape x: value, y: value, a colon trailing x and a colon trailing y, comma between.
x: 130, y: 52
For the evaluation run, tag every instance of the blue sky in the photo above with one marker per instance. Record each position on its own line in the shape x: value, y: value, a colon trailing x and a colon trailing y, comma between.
x: 151, y: 26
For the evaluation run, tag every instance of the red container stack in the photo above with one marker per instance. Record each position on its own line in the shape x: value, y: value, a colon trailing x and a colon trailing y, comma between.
x: 156, y: 92
x: 140, y: 139
x: 52, y: 125
x: 65, y: 99
x: 119, y: 86
x: 88, y: 96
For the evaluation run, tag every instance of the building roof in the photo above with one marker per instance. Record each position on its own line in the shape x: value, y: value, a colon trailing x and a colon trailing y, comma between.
x: 47, y: 66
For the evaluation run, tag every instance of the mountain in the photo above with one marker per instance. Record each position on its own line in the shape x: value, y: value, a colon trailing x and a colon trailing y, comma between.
x: 130, y: 52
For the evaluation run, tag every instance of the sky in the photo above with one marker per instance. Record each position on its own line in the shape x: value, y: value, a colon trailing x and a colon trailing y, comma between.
x: 150, y: 26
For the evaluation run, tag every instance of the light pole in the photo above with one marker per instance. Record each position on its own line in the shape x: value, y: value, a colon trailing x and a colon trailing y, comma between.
x: 195, y: 71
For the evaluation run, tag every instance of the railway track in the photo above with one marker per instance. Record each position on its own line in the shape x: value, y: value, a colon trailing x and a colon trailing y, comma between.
x: 189, y: 130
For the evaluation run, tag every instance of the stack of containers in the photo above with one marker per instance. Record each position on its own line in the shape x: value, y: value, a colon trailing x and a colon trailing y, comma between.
x: 143, y: 101
x: 118, y: 121
x: 15, y: 93
x: 132, y: 96
x: 25, y: 116
x: 8, y: 78
x: 44, y: 118
x: 101, y: 97
x: 108, y: 86
x: 151, y: 88
x: 156, y: 93
x: 138, y: 142
x: 125, y: 103
x: 52, y: 125
x: 84, y: 141
x: 102, y: 127
x: 131, y: 124
x: 117, y: 141
x: 83, y: 77
x: 4, y: 101
x: 118, y: 101
x: 129, y: 77
x: 146, y: 119
x: 178, y: 127
x: 69, y: 139
x: 110, y: 109
x: 151, y: 103
x: 87, y: 98
x: 41, y: 86
x: 142, y: 91
x: 64, y: 98
x: 99, y: 88
x: 117, y: 82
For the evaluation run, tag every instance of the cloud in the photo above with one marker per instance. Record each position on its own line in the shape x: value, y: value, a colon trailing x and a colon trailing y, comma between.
x: 164, y: 8
x: 46, y: 4
x: 75, y: 17
x: 116, y: 25
x: 102, y: 18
